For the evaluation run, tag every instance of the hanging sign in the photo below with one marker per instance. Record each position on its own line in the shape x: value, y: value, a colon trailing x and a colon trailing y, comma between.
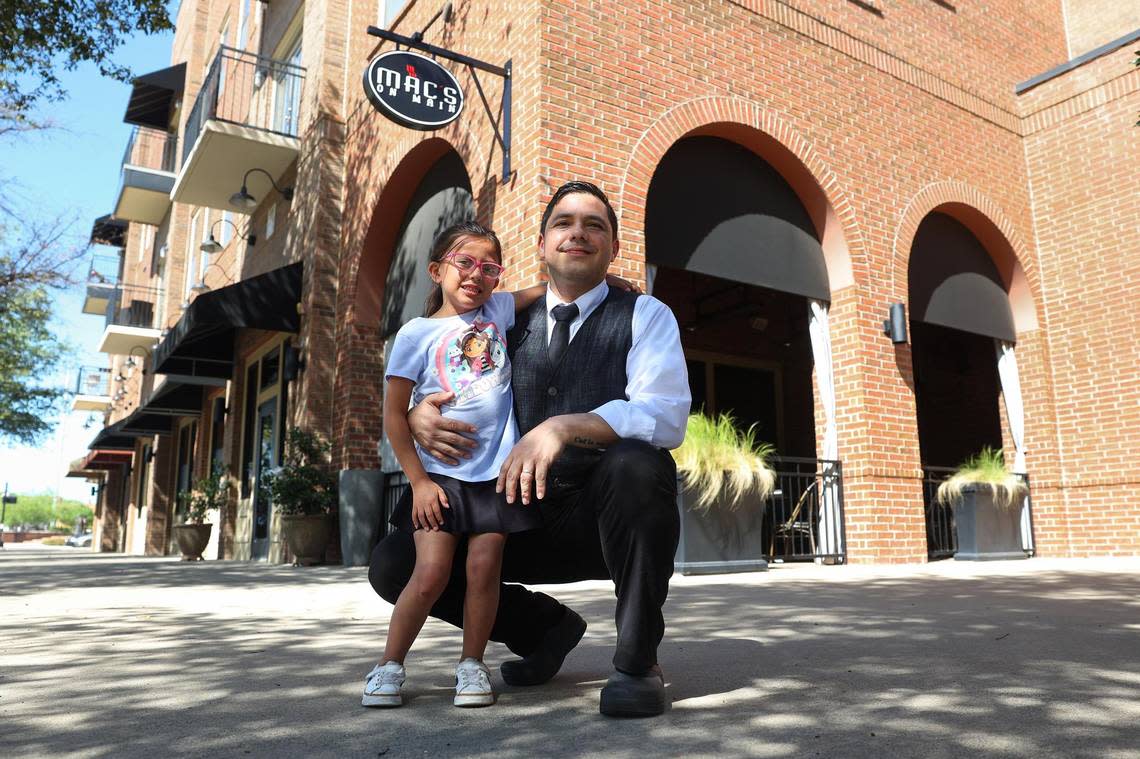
x: 413, y: 90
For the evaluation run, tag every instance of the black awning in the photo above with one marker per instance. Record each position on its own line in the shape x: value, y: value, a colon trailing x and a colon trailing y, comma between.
x: 142, y: 423
x: 175, y: 399
x: 717, y: 208
x: 201, y: 344
x: 109, y: 231
x: 112, y: 437
x: 153, y: 95
x: 955, y: 283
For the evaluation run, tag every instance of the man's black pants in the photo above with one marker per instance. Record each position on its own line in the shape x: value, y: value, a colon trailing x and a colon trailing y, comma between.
x: 621, y: 524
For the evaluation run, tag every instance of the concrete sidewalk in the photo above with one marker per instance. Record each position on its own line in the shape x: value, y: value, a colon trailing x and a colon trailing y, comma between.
x: 122, y: 657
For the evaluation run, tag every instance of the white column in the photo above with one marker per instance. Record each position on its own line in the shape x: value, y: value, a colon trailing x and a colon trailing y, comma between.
x: 830, y: 540
x: 1015, y: 414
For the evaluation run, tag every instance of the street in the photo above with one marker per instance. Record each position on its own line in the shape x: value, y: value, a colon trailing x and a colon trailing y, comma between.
x: 110, y: 656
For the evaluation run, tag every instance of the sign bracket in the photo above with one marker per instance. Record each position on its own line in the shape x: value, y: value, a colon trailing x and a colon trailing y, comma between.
x: 503, y: 132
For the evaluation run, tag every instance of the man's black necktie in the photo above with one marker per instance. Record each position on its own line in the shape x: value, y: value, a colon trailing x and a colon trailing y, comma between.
x: 560, y: 338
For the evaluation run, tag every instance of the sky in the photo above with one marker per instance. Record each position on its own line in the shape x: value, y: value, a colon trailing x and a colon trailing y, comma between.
x: 72, y: 172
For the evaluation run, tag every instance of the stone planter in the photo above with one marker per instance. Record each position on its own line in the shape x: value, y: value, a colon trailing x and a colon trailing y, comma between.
x: 307, y: 536
x: 192, y: 540
x: 721, y: 539
x: 987, y: 531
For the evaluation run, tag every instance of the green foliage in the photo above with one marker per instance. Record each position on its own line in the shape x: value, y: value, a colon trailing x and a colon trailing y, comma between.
x: 29, y: 352
x: 718, y: 458
x: 304, y: 483
x: 37, y: 37
x: 211, y: 493
x: 985, y: 468
x: 35, y: 512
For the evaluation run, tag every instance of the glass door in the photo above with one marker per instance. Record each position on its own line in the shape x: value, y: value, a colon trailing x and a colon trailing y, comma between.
x: 287, y: 99
x: 265, y: 459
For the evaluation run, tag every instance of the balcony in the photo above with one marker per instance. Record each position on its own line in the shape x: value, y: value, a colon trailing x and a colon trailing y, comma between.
x: 102, y: 279
x: 92, y: 389
x: 130, y: 320
x: 148, y: 176
x: 246, y: 116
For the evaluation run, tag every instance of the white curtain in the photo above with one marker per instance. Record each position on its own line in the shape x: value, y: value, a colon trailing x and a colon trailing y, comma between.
x: 1015, y: 414
x: 830, y: 539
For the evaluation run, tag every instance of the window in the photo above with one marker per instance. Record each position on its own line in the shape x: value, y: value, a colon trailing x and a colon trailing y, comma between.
x: 226, y: 232
x: 391, y: 9
x: 203, y: 256
x: 191, y: 244
x: 270, y: 221
x: 243, y: 24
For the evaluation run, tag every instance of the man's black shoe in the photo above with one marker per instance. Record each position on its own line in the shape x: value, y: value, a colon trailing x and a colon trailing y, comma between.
x: 546, y: 660
x: 634, y: 695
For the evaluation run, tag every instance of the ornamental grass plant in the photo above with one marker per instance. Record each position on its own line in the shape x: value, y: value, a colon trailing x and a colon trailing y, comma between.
x: 717, y: 458
x: 304, y: 484
x: 210, y: 493
x: 985, y: 468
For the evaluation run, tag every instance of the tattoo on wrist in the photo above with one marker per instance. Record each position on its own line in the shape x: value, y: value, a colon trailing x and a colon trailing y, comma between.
x: 586, y: 442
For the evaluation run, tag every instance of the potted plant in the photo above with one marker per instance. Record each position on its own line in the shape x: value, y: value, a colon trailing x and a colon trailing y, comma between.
x: 986, y: 499
x: 304, y: 491
x: 209, y: 494
x: 724, y: 480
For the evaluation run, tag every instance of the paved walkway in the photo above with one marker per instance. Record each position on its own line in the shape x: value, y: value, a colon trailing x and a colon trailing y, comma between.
x: 107, y: 656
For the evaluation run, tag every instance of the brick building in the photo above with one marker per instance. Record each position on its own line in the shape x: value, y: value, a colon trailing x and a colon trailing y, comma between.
x: 784, y: 171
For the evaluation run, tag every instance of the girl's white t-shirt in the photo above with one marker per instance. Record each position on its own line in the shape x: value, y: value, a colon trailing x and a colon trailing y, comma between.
x: 465, y: 354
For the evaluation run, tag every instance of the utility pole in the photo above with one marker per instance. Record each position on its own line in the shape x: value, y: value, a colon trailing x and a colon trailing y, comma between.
x: 7, y: 499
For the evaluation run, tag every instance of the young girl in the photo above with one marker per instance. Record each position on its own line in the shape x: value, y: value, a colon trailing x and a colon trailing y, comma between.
x: 457, y: 347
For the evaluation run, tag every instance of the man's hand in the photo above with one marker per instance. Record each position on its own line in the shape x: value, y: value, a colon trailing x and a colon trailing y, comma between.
x: 530, y: 460
x: 439, y: 436
x: 427, y: 501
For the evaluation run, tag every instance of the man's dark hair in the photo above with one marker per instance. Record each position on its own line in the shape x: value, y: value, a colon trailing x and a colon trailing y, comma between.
x: 569, y: 189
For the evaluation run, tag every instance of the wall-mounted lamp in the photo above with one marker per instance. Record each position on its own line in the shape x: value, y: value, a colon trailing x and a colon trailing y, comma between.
x: 120, y: 378
x: 202, y: 287
x: 246, y: 202
x: 294, y: 362
x: 895, y: 325
x: 212, y: 246
x: 139, y: 359
x: 149, y: 455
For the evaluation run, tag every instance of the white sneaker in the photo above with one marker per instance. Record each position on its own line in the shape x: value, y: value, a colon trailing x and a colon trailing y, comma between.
x: 382, y: 685
x: 473, y: 684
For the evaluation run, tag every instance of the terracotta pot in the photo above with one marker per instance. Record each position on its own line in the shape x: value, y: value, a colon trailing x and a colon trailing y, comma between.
x: 192, y: 540
x: 307, y: 536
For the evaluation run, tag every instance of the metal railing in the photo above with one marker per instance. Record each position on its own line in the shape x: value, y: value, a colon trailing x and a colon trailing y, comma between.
x: 132, y: 306
x: 804, y: 520
x: 93, y: 380
x: 104, y: 270
x: 250, y: 90
x: 395, y: 483
x: 941, y: 530
x: 151, y: 149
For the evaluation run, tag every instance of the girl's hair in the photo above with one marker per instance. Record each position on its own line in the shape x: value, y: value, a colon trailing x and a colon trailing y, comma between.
x: 445, y: 243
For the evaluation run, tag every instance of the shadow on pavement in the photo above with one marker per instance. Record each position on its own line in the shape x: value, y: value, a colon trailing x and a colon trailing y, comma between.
x: 1041, y: 665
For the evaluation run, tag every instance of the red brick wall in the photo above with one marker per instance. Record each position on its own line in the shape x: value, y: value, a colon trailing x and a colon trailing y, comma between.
x: 1091, y: 23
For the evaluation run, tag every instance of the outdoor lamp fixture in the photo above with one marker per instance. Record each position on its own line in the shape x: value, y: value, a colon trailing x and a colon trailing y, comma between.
x: 138, y: 361
x: 212, y: 245
x: 895, y: 325
x: 202, y: 287
x: 243, y: 200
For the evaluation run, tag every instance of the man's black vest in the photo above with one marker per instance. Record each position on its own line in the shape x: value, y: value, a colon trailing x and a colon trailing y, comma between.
x: 590, y: 373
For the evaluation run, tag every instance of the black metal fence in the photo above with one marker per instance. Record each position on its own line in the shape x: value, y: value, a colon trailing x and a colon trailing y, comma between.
x: 132, y: 306
x: 250, y: 90
x: 941, y: 531
x: 805, y: 520
x: 93, y: 380
x: 104, y: 270
x: 152, y: 149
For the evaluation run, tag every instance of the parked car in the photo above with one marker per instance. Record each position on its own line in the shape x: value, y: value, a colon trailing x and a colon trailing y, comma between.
x: 80, y: 541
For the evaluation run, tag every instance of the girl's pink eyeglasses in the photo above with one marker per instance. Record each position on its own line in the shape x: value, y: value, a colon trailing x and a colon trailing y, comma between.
x: 466, y: 264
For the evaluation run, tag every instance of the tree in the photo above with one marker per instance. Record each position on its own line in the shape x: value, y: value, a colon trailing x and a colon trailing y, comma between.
x: 41, y: 511
x: 37, y: 37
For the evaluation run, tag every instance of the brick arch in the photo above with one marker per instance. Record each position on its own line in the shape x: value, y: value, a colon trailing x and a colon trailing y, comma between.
x: 986, y: 221
x: 771, y: 138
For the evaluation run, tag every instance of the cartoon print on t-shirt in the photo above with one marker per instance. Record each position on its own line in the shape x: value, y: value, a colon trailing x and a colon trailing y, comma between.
x: 468, y: 355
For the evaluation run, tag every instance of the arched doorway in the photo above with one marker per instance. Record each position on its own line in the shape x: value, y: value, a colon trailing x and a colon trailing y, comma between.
x: 961, y: 328
x: 733, y: 251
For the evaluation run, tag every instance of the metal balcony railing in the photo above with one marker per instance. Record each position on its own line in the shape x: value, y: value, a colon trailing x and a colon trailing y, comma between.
x: 151, y: 149
x: 804, y: 520
x: 941, y: 530
x: 132, y: 306
x: 93, y: 380
x: 249, y: 90
x: 104, y: 270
